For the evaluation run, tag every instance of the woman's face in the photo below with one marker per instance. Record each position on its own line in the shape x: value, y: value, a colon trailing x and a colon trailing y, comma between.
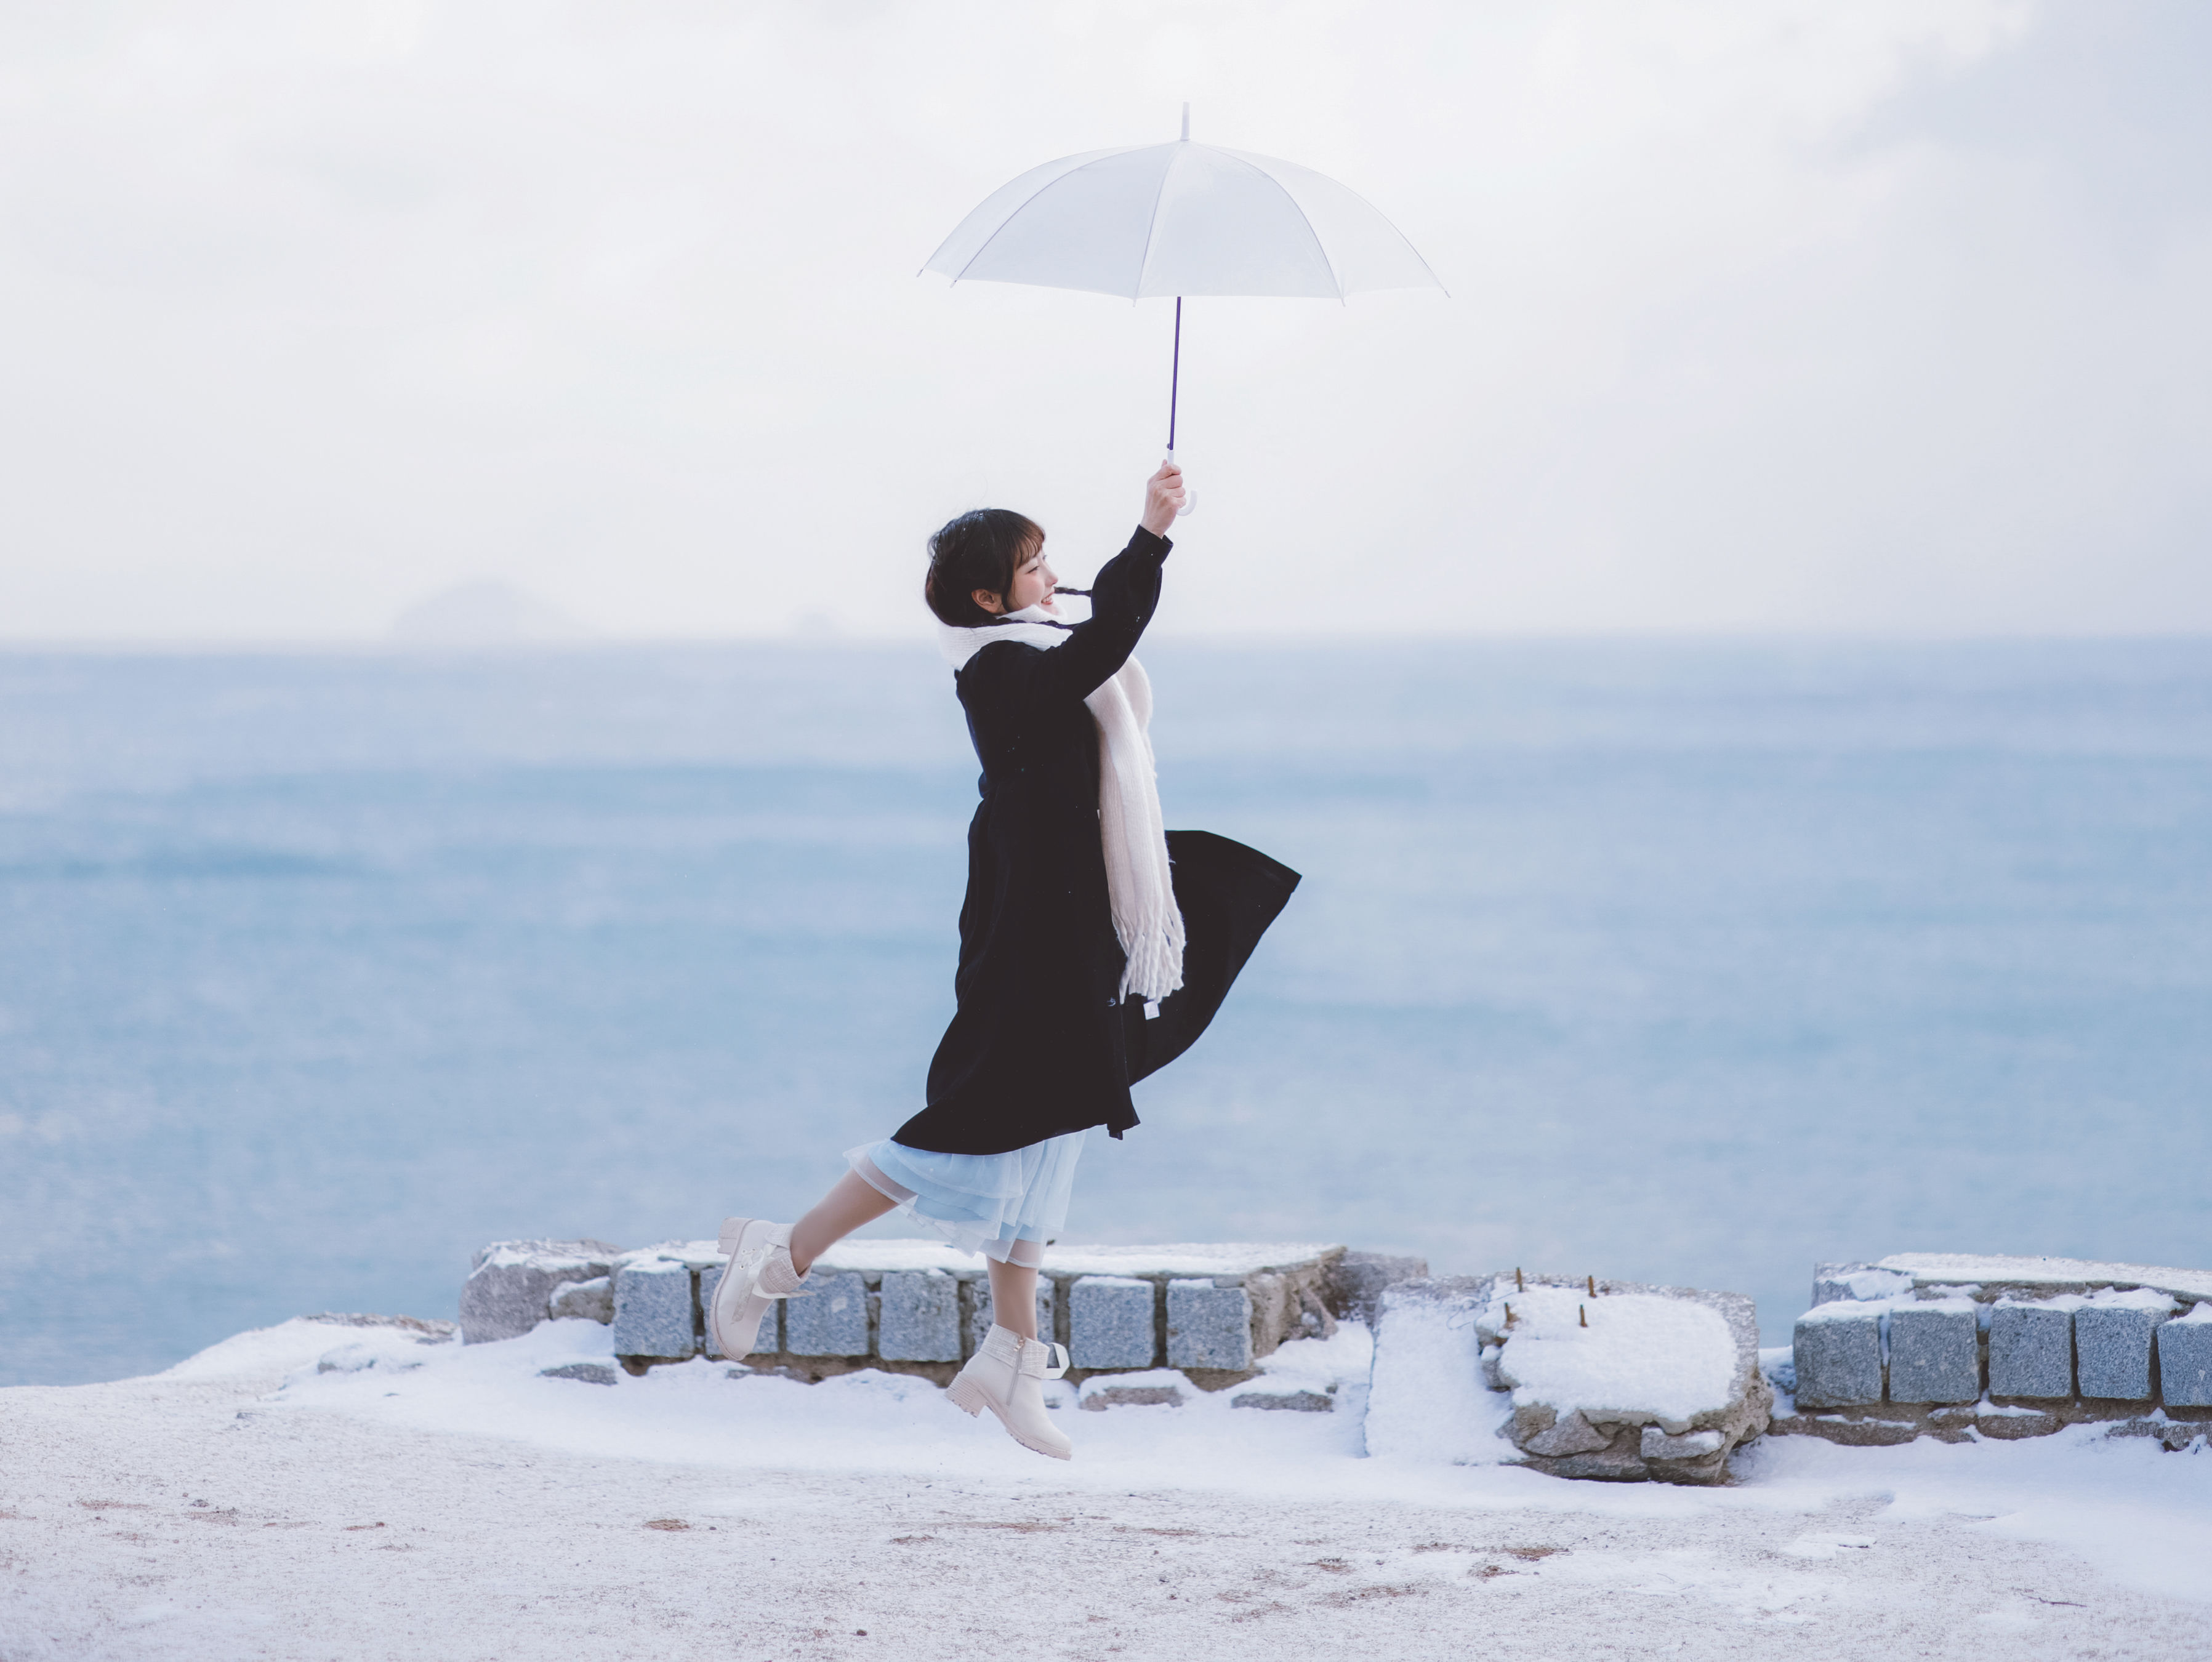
x: 1033, y: 584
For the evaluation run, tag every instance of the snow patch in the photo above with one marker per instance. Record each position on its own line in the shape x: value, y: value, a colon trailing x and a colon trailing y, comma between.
x: 1624, y: 1355
x: 1425, y: 1399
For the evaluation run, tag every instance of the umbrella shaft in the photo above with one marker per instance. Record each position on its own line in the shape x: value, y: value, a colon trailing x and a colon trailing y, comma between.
x: 1175, y: 375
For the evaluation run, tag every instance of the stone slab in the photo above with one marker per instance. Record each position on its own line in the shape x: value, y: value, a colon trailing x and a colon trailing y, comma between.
x: 1210, y: 1259
x: 2112, y: 1343
x: 2043, y: 1275
x: 1621, y: 1461
x: 918, y: 1317
x: 1690, y: 1445
x: 1209, y: 1326
x: 1542, y: 1431
x: 1935, y: 1353
x: 655, y: 1309
x: 1297, y: 1402
x: 1356, y: 1281
x: 588, y: 1373
x: 511, y: 1282
x: 1832, y: 1282
x: 1851, y: 1432
x: 2176, y: 1434
x: 1838, y: 1349
x: 1098, y: 1398
x: 2185, y: 1362
x: 829, y: 1317
x: 2012, y: 1425
x: 586, y: 1301
x: 1111, y: 1323
x: 2031, y: 1350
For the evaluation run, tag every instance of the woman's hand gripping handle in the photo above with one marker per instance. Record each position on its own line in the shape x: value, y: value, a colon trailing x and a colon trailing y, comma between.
x: 1165, y: 497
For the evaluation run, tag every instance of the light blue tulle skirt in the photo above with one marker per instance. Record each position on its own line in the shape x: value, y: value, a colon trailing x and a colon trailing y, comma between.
x: 1006, y: 1206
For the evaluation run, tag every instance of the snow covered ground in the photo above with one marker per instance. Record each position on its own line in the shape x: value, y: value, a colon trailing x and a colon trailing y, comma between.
x: 440, y: 1501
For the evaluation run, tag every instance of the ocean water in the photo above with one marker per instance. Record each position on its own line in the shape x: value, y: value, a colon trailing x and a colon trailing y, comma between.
x: 1685, y: 963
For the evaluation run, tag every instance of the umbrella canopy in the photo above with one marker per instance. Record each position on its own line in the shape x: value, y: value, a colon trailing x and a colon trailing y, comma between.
x: 1182, y: 219
x: 1162, y: 220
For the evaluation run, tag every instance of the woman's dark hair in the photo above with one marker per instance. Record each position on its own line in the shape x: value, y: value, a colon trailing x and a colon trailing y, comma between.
x: 980, y: 549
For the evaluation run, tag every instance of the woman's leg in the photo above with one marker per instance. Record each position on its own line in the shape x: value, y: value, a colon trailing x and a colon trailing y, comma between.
x: 851, y: 1203
x: 1007, y: 1373
x: 1013, y: 1298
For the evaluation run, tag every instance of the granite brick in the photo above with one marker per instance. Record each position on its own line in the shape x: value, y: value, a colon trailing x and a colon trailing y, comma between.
x: 1934, y: 1354
x: 2031, y: 1350
x: 2185, y: 1363
x: 654, y: 1306
x: 829, y: 1317
x: 1838, y: 1349
x: 918, y: 1318
x: 1832, y: 1282
x: 1209, y: 1326
x: 2112, y: 1346
x: 1109, y: 1319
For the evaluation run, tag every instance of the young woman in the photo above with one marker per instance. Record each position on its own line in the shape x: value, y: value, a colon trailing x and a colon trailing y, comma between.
x: 1094, y: 947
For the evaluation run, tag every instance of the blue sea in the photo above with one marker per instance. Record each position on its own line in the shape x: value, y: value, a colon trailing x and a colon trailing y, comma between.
x: 1687, y: 962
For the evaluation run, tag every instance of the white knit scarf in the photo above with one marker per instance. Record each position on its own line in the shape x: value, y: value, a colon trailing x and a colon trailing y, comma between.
x: 1139, y: 887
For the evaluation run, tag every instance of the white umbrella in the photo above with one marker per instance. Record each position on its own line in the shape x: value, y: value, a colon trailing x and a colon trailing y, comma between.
x: 1181, y: 219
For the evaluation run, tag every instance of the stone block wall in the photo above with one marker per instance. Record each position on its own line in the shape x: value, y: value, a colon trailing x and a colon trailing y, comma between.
x: 1952, y: 1347
x: 920, y: 1307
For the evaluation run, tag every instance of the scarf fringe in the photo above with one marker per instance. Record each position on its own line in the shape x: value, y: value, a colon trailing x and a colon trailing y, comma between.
x: 1133, y: 834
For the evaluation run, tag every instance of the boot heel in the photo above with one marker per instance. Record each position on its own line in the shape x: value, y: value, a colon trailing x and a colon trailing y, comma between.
x: 733, y: 1229
x: 967, y: 1396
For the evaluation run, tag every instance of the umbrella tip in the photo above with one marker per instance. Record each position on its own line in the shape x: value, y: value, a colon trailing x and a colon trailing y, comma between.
x: 1186, y: 124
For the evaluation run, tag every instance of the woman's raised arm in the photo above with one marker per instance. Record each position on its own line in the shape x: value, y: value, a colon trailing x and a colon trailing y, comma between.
x: 1123, y: 596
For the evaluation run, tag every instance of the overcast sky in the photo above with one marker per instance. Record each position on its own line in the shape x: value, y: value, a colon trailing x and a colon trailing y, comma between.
x: 1888, y: 315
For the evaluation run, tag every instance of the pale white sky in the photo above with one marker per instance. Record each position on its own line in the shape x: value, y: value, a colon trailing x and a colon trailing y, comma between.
x: 1783, y: 314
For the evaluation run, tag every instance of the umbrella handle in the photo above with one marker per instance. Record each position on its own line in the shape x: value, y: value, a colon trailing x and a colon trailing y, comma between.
x: 1189, y: 496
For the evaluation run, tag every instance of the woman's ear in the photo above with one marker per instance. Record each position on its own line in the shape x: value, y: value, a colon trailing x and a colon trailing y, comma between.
x: 989, y: 602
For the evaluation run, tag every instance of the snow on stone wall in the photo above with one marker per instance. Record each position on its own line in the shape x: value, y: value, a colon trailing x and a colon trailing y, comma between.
x: 1211, y: 1309
x: 1954, y: 1346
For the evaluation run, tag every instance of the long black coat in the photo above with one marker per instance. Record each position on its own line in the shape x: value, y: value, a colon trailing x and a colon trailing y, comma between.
x: 1042, y: 1042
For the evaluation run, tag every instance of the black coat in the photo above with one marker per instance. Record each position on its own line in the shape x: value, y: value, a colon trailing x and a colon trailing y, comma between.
x: 1042, y: 1042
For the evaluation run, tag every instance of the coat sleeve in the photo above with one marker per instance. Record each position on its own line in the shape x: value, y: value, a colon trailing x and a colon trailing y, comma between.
x: 1123, y: 596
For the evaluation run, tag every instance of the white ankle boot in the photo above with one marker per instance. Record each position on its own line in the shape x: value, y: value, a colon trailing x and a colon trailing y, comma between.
x: 1006, y: 1375
x: 759, y: 1272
